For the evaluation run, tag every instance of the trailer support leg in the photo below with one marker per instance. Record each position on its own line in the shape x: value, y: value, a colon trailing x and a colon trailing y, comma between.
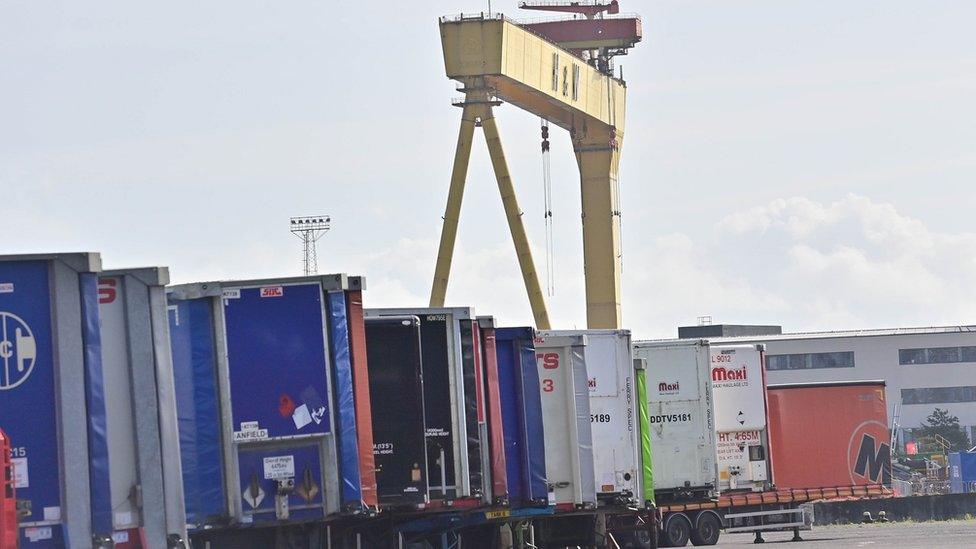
x: 796, y: 535
x: 759, y: 538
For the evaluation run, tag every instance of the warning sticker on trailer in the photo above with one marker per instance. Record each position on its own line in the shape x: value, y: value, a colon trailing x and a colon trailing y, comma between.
x: 279, y: 467
x: 21, y: 475
x: 6, y: 287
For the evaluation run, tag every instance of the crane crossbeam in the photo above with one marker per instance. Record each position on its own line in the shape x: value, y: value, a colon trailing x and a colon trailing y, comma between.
x: 534, y: 74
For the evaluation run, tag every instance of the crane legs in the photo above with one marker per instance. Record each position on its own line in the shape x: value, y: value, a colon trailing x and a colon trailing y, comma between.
x: 480, y: 110
x: 445, y: 253
x: 598, y: 156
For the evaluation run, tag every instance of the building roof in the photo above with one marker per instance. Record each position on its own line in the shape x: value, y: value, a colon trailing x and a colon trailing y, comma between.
x: 843, y: 333
x: 855, y: 333
x: 727, y: 330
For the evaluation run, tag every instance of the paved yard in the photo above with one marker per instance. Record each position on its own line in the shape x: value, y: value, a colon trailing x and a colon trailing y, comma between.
x: 906, y: 535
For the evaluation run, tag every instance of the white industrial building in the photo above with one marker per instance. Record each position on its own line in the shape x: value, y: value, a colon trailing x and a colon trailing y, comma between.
x: 925, y: 368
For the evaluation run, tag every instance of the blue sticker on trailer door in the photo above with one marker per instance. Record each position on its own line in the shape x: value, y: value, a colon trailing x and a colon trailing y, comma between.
x: 27, y: 387
x: 276, y: 356
x: 191, y: 333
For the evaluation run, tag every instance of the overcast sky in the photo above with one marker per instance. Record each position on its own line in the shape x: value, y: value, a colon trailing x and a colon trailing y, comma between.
x: 809, y: 164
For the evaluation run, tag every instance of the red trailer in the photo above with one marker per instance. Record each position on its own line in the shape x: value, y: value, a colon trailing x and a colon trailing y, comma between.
x: 829, y: 434
x: 8, y: 498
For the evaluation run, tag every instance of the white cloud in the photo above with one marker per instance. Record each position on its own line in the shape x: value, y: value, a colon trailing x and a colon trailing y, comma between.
x: 805, y: 264
x: 808, y: 265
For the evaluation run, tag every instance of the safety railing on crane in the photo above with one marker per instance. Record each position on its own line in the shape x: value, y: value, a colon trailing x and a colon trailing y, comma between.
x: 561, y: 18
x: 488, y: 16
x: 537, y: 3
x: 8, y: 496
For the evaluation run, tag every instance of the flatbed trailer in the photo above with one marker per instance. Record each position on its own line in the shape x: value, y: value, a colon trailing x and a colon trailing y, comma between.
x: 701, y: 522
x: 491, y: 527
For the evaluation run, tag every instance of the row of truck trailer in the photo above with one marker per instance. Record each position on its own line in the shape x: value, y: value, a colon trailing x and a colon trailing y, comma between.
x: 282, y: 413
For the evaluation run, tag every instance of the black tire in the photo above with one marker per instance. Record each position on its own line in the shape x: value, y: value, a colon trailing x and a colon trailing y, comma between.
x: 707, y: 530
x: 676, y: 531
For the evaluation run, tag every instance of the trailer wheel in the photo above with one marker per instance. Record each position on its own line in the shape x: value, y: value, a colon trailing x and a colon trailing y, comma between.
x: 708, y: 529
x: 676, y: 531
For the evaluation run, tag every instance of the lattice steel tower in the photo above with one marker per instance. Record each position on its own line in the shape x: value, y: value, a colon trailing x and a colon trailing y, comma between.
x: 309, y: 230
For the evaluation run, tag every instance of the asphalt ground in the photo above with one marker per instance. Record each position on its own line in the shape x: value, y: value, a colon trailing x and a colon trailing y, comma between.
x: 904, y: 535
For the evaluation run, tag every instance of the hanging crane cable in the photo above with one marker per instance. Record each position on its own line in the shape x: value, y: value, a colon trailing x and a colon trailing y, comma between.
x: 547, y: 199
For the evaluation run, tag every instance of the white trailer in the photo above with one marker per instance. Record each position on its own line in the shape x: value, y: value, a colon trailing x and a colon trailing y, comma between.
x: 566, y: 419
x: 707, y: 409
x: 738, y: 388
x: 613, y: 412
x: 682, y: 427
x: 146, y: 477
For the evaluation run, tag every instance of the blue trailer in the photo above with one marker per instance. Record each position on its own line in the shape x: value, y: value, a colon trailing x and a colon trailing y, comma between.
x: 518, y: 381
x: 962, y: 472
x: 52, y: 400
x: 266, y: 401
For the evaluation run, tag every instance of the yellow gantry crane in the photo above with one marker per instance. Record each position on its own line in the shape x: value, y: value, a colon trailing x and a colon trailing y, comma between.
x: 559, y: 70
